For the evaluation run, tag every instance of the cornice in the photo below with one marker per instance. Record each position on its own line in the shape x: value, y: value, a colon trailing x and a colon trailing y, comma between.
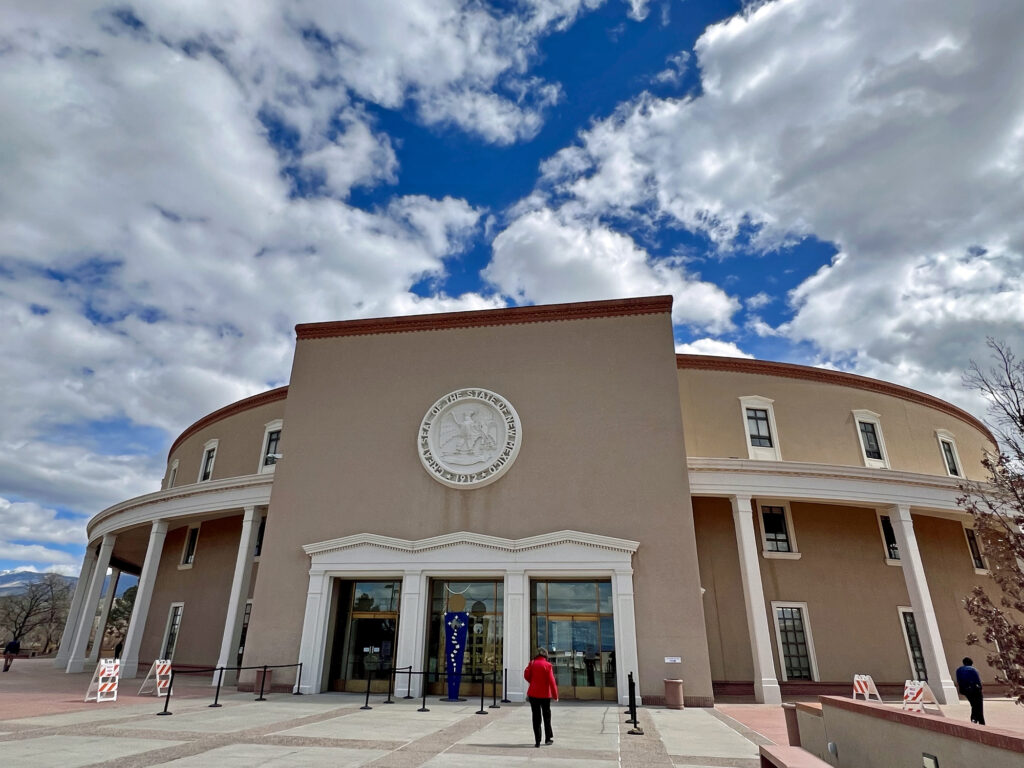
x: 826, y: 376
x: 271, y: 396
x: 475, y: 539
x: 584, y: 310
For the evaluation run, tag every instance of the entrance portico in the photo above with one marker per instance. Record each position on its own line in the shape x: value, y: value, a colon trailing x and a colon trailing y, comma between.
x: 569, y: 555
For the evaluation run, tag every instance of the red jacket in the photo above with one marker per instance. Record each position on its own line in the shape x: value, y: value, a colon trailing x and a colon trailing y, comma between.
x: 541, y: 677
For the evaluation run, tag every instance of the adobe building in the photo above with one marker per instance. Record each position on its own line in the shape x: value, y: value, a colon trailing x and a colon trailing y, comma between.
x: 560, y: 474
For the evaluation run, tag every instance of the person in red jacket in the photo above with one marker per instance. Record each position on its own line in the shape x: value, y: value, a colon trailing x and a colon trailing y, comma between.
x: 542, y: 690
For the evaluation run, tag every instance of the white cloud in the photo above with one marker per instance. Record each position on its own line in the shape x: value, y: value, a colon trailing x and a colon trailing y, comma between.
x: 892, y: 131
x: 544, y: 256
x: 758, y: 300
x: 675, y: 70
x: 712, y: 347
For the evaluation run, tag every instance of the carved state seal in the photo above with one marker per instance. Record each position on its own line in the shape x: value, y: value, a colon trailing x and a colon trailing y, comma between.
x: 469, y: 438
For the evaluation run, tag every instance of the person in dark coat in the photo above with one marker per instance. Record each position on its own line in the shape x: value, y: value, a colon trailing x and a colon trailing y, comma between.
x: 542, y: 690
x: 969, y: 682
x: 11, y: 650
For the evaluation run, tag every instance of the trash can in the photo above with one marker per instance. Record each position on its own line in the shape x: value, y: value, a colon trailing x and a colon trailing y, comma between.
x: 792, y: 729
x: 673, y: 694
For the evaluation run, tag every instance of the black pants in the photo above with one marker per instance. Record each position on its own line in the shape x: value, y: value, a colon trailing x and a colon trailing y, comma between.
x: 977, y: 707
x: 541, y: 707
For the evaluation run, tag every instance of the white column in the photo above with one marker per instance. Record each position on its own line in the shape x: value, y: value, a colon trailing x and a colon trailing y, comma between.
x: 921, y: 601
x: 411, y: 621
x: 766, y: 685
x: 314, y: 632
x: 143, y: 595
x: 76, y: 660
x: 626, y: 659
x: 239, y: 594
x: 108, y: 600
x: 67, y: 638
x: 516, y: 635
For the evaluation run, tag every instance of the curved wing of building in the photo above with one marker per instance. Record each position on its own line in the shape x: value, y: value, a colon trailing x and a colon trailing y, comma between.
x: 553, y: 477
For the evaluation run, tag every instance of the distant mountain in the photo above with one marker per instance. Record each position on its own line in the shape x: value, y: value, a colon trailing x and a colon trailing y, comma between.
x: 15, y: 582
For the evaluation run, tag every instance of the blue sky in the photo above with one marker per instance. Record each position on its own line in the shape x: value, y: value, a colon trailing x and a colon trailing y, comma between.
x: 816, y: 181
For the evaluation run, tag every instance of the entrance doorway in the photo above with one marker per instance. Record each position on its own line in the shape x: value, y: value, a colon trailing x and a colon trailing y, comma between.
x: 365, y: 635
x: 482, y: 657
x: 574, y: 622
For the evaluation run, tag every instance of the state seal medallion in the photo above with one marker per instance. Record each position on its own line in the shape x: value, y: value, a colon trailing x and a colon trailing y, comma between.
x: 469, y: 438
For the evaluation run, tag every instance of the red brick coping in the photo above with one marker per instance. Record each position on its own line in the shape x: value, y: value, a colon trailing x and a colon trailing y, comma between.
x: 980, y: 734
x: 255, y: 401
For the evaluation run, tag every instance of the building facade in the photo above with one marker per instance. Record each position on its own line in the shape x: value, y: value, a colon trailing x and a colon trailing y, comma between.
x: 560, y: 475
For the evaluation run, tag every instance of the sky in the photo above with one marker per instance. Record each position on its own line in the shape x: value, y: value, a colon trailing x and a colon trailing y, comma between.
x: 823, y: 182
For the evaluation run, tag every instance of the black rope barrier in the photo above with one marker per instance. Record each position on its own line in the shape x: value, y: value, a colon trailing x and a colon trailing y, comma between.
x: 504, y: 688
x: 216, y: 696
x: 408, y: 687
x: 219, y: 671
x: 494, y: 690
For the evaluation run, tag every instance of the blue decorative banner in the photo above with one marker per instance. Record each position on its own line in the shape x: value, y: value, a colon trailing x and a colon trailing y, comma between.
x: 457, y: 630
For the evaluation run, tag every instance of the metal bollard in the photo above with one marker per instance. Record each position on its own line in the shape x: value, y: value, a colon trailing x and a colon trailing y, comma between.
x: 424, y: 707
x: 263, y: 681
x: 298, y: 683
x: 391, y: 680
x: 167, y: 698
x: 636, y: 730
x: 366, y: 704
x: 504, y: 688
x: 482, y: 711
x: 494, y: 690
x: 220, y: 679
x: 408, y: 687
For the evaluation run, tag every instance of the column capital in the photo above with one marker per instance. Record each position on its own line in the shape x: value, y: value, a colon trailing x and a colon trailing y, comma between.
x: 897, y: 511
x: 741, y: 504
x: 159, y: 527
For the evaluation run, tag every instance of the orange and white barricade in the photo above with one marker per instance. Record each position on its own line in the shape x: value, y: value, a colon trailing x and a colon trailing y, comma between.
x: 160, y: 672
x: 864, y: 685
x: 917, y: 694
x: 103, y: 686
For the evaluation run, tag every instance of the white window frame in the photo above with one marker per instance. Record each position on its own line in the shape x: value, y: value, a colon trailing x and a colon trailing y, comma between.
x: 945, y: 436
x: 213, y: 445
x: 756, y: 452
x: 807, y: 633
x: 881, y: 533
x: 167, y: 627
x: 906, y: 639
x: 871, y: 417
x: 270, y: 426
x: 182, y: 565
x: 794, y: 553
x: 263, y: 522
x: 172, y: 474
x: 979, y: 571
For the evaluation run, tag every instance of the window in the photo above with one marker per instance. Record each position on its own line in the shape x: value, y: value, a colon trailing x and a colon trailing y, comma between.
x: 892, y: 549
x: 793, y: 636
x: 172, y: 474
x: 977, y: 559
x: 913, y: 640
x: 271, y: 452
x: 259, y: 536
x: 778, y: 538
x: 172, y: 631
x: 244, y: 632
x: 950, y: 457
x: 759, y: 424
x: 872, y: 445
x: 188, y: 553
x: 209, y: 455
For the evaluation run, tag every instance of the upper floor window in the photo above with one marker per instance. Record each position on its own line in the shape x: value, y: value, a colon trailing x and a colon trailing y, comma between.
x: 209, y: 456
x: 759, y: 424
x: 778, y: 538
x: 977, y: 559
x: 872, y: 445
x: 271, y: 445
x: 172, y: 474
x: 950, y: 457
x: 892, y: 549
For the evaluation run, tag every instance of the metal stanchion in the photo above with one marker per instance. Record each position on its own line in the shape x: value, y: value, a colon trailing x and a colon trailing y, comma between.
x: 408, y: 687
x: 263, y: 682
x: 391, y: 680
x: 366, y: 704
x: 216, y: 696
x: 504, y: 688
x: 636, y: 730
x: 167, y: 698
x: 298, y: 682
x: 424, y: 707
x: 482, y: 711
x: 494, y: 690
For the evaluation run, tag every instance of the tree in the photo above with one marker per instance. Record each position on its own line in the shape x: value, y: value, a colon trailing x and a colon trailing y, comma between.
x: 120, y: 615
x: 998, y: 511
x: 42, y: 606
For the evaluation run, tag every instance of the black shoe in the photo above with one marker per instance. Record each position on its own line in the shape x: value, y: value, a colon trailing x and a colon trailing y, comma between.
x: 537, y: 744
x: 549, y: 742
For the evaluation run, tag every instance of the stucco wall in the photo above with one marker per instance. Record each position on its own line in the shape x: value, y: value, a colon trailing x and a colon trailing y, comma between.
x: 602, y: 452
x: 240, y: 442
x: 203, y: 588
x: 815, y: 422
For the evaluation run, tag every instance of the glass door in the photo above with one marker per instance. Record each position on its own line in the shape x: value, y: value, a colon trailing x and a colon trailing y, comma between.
x: 368, y: 631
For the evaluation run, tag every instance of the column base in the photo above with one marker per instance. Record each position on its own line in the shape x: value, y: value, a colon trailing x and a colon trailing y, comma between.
x: 76, y: 665
x: 60, y: 662
x: 946, y: 692
x: 129, y: 669
x: 767, y: 692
